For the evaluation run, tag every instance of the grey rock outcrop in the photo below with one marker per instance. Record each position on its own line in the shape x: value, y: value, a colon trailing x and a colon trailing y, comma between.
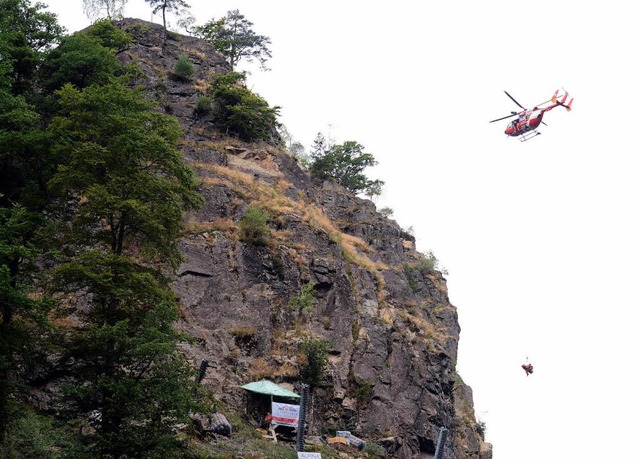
x: 394, y: 334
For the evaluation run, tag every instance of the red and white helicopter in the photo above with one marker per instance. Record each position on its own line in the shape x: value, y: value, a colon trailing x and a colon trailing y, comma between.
x: 529, y: 119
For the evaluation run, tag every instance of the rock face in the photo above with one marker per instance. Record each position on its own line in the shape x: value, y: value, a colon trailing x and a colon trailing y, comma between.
x: 384, y: 310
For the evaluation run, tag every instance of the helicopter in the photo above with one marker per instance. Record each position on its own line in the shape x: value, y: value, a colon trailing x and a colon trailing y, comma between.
x: 529, y: 120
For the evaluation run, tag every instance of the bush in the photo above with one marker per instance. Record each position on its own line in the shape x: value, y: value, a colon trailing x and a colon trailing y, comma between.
x: 253, y: 226
x: 203, y: 105
x: 183, y: 68
x: 30, y: 435
x: 109, y: 35
x: 304, y: 301
x: 374, y: 450
x: 241, y: 112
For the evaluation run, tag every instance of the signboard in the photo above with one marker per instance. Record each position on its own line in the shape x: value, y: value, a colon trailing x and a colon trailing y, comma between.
x: 284, y: 414
x: 309, y: 456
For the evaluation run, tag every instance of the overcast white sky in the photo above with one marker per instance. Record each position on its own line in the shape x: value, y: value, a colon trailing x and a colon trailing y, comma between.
x: 540, y: 238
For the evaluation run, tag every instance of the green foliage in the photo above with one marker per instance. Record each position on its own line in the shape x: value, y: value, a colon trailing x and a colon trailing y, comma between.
x: 254, y: 228
x: 426, y: 264
x: 241, y: 112
x: 345, y: 165
x: 374, y: 450
x: 304, y: 301
x: 34, y: 436
x: 386, y: 211
x: 109, y: 35
x: 27, y: 32
x: 314, y: 363
x: 22, y: 318
x: 166, y: 6
x: 363, y: 392
x: 203, y: 105
x: 25, y: 164
x: 120, y: 154
x: 235, y: 39
x: 81, y: 60
x: 183, y: 68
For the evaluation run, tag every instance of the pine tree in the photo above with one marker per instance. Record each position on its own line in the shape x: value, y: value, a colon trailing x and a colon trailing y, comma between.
x: 166, y: 6
x: 235, y: 39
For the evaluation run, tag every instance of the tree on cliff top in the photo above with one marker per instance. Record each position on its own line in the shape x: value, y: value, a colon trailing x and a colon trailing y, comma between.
x: 164, y: 6
x: 345, y: 165
x: 235, y: 39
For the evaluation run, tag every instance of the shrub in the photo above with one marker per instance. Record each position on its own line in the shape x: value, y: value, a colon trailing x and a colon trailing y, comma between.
x: 109, y: 35
x: 183, y: 68
x: 253, y: 226
x: 364, y: 391
x: 203, y: 104
x: 374, y: 450
x: 241, y: 112
x: 304, y: 301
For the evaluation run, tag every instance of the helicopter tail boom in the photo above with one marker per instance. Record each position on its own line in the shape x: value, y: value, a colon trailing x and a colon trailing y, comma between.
x: 559, y: 98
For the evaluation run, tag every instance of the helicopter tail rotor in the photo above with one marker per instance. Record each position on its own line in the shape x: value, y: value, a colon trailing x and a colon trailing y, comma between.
x: 568, y: 106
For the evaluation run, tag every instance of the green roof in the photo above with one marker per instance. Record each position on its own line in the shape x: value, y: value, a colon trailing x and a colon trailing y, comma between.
x: 269, y: 388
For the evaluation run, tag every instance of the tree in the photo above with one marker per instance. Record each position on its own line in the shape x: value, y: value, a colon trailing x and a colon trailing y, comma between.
x: 235, y: 39
x: 109, y: 35
x: 131, y: 187
x: 314, y: 361
x: 112, y: 9
x: 166, y: 6
x: 241, y: 112
x: 81, y: 60
x: 27, y: 32
x: 22, y: 317
x: 345, y: 165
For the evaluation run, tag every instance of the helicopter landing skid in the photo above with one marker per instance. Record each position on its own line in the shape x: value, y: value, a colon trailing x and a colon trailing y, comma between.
x: 528, y: 135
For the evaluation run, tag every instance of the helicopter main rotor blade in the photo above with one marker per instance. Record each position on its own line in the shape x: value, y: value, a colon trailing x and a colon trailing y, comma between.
x: 517, y: 103
x: 504, y: 117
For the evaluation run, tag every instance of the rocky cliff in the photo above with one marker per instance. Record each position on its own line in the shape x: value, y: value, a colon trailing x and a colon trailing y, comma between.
x: 385, y: 311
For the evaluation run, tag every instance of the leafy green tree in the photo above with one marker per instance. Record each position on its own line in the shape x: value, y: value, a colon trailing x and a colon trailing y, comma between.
x: 241, y: 112
x: 345, y: 165
x: 235, y: 39
x: 109, y: 35
x: 27, y: 32
x: 81, y: 60
x: 111, y: 9
x: 121, y: 153
x: 121, y: 162
x: 314, y: 362
x: 22, y: 317
x: 166, y: 6
x: 23, y: 147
